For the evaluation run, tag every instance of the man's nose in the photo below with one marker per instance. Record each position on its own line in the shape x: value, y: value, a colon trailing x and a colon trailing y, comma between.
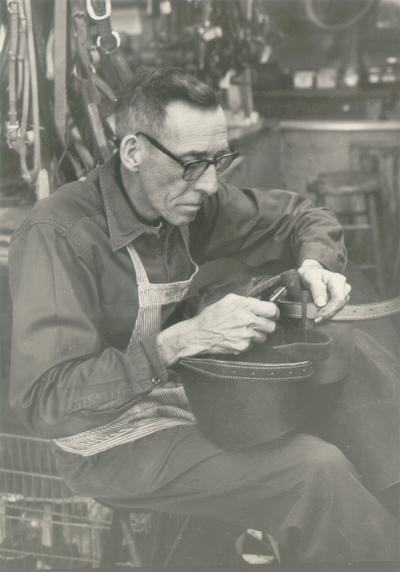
x: 208, y: 182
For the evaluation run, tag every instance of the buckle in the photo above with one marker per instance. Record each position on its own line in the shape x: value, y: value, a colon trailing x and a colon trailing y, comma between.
x: 117, y: 39
x: 92, y: 13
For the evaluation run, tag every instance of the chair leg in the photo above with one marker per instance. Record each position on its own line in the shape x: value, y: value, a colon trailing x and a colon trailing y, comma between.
x: 112, y: 544
x: 121, y: 528
x: 376, y: 244
x: 129, y: 537
x: 177, y: 540
x: 396, y: 273
x: 161, y: 525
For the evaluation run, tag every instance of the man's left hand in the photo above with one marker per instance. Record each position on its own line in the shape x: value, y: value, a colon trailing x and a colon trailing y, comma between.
x: 329, y: 290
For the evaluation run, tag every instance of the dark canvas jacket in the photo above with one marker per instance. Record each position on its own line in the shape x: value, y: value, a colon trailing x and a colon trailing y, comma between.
x: 75, y: 298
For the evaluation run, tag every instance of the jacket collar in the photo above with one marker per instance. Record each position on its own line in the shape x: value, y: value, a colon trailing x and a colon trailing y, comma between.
x: 124, y: 226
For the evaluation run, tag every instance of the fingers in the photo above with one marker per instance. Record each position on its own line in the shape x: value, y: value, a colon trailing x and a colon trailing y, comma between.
x: 319, y: 293
x: 247, y: 339
x: 259, y: 337
x: 261, y: 324
x: 329, y: 290
x: 338, y: 293
x: 328, y: 311
x: 261, y: 308
x: 312, y: 278
x: 235, y: 322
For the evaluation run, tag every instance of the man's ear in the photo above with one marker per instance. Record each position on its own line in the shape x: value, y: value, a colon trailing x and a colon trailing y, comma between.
x: 131, y: 156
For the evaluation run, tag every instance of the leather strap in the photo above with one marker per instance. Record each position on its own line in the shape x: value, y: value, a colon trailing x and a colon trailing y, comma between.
x: 86, y: 75
x: 37, y: 155
x: 241, y: 371
x: 349, y: 313
x: 108, y: 41
x: 60, y: 65
x: 12, y: 123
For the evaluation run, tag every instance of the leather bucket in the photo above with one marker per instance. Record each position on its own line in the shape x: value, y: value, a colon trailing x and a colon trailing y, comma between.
x: 253, y: 398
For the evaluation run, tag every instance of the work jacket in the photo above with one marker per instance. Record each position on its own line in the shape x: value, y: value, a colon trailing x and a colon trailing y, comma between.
x: 74, y: 291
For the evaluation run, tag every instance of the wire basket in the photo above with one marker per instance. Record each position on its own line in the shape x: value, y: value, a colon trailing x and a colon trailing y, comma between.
x: 42, y: 523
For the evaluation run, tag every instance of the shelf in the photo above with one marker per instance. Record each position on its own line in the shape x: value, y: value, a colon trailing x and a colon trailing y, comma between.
x: 331, y: 93
x: 337, y: 125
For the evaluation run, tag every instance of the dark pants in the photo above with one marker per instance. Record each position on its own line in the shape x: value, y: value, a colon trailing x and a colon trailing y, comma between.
x: 300, y: 489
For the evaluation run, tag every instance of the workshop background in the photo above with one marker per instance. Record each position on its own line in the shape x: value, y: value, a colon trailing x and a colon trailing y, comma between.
x: 311, y: 93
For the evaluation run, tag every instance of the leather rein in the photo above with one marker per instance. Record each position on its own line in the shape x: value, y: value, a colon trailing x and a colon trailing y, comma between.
x: 301, y: 310
x: 349, y: 313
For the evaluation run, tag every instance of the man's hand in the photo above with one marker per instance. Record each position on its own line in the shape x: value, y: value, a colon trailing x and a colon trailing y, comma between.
x: 329, y: 290
x: 230, y: 325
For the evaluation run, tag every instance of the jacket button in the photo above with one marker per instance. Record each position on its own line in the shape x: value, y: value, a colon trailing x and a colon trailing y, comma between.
x: 156, y: 381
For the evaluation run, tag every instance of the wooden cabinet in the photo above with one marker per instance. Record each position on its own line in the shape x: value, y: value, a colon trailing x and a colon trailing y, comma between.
x: 307, y: 148
x: 329, y: 104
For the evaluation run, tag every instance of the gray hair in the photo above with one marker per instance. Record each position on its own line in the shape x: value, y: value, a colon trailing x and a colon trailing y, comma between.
x: 143, y: 101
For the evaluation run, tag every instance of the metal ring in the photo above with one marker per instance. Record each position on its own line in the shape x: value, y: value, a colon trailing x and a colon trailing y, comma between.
x: 81, y: 77
x: 117, y: 39
x: 92, y: 13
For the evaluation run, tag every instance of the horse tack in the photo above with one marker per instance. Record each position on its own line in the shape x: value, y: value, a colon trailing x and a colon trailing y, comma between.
x: 267, y: 392
x: 349, y: 313
x: 23, y: 82
x: 260, y: 395
x: 80, y: 132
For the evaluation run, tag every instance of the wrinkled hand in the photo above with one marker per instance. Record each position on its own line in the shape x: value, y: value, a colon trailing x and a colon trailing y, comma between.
x: 329, y: 290
x: 232, y: 324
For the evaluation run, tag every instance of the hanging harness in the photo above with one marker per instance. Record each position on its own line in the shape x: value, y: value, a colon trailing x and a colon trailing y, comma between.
x: 22, y: 82
x: 267, y: 391
x: 72, y: 130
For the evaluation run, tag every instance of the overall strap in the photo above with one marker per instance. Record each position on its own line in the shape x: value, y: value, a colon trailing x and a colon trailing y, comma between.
x: 141, y: 274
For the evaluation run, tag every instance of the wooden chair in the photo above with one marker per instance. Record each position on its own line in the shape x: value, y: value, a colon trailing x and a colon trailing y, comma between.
x: 354, y: 196
x: 127, y: 528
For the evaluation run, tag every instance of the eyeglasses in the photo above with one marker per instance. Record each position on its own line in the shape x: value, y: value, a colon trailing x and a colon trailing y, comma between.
x: 193, y: 170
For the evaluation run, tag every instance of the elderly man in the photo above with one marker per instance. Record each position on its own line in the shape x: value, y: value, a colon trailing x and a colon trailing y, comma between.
x: 97, y: 272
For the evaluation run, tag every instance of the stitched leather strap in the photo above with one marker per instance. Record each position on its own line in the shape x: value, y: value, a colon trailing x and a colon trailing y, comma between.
x: 37, y: 154
x: 245, y: 371
x: 349, y: 313
x: 60, y: 65
x: 12, y: 123
x: 116, y: 68
x: 85, y: 74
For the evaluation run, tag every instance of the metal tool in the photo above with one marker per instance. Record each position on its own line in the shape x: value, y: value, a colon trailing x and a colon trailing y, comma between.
x: 277, y: 293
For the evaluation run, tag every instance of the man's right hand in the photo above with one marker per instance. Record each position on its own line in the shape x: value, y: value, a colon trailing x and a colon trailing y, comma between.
x: 230, y: 325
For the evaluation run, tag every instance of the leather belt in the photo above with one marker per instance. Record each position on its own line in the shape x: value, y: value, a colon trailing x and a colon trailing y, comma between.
x: 349, y: 313
x: 241, y: 370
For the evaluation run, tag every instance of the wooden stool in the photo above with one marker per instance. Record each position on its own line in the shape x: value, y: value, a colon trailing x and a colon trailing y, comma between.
x: 123, y: 528
x: 353, y: 196
x: 396, y: 272
x: 379, y: 158
x: 382, y: 159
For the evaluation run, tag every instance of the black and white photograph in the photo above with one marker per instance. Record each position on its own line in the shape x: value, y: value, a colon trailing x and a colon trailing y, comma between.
x: 199, y: 285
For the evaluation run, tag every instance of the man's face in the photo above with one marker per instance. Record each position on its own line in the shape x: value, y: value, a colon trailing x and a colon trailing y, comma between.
x: 190, y: 134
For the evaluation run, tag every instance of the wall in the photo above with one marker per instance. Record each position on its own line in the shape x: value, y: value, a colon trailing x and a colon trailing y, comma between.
x: 309, y: 148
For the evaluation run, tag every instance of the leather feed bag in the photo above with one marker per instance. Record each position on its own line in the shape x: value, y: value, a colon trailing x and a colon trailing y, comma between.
x: 267, y: 391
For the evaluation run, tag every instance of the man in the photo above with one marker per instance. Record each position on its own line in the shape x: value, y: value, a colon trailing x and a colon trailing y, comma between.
x: 97, y: 272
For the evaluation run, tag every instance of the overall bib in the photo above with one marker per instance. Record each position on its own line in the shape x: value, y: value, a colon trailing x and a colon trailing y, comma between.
x: 164, y: 407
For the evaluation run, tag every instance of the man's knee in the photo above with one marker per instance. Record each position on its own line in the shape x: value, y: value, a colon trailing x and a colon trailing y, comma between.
x: 322, y: 459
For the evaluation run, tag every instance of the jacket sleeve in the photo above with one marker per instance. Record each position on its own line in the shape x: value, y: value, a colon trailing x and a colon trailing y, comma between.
x: 63, y: 380
x: 257, y: 226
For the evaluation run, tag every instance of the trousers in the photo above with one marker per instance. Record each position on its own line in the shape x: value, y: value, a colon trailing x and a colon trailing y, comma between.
x: 299, y: 488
